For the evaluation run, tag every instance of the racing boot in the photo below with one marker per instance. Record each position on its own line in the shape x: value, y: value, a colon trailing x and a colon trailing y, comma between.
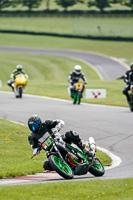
x: 10, y: 83
x: 88, y: 152
x: 85, y: 149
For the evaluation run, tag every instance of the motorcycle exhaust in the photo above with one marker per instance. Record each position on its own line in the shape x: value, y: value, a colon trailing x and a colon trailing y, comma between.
x: 92, y: 144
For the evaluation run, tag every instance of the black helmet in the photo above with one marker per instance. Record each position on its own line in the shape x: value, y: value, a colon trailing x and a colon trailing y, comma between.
x: 34, y: 123
x: 131, y: 66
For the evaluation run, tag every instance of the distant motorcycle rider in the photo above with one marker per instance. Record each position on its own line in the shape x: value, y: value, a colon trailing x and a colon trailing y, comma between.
x: 74, y: 77
x: 128, y: 78
x: 18, y: 70
x: 53, y: 127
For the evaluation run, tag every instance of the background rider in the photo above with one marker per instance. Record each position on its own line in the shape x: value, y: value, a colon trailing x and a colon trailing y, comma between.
x: 128, y: 78
x: 74, y: 77
x: 18, y: 70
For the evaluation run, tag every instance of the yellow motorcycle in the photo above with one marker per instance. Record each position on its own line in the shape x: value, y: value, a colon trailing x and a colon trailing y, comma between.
x: 19, y: 84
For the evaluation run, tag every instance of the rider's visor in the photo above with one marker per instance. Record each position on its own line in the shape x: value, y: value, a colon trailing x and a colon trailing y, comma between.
x: 35, y: 126
x: 78, y: 70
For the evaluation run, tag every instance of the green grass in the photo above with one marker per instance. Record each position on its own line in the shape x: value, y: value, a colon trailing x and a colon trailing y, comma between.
x: 68, y: 25
x: 121, y: 189
x: 16, y: 152
x: 111, y: 48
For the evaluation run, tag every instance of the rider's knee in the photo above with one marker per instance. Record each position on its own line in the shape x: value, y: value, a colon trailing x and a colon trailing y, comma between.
x: 125, y: 92
x: 9, y: 82
x: 72, y: 136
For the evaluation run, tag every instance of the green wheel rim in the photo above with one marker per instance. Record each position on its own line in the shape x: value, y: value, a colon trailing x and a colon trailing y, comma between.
x: 77, y: 98
x: 97, y: 166
x: 74, y: 97
x: 64, y: 167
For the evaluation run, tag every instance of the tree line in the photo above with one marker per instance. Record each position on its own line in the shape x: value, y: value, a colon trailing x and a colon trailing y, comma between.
x: 31, y: 4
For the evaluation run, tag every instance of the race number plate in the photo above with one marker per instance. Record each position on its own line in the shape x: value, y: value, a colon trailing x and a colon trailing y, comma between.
x: 46, y: 141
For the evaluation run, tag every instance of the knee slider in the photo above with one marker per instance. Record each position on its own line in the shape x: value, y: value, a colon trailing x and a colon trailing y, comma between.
x: 124, y: 92
x: 75, y: 134
x: 9, y: 82
x: 72, y: 136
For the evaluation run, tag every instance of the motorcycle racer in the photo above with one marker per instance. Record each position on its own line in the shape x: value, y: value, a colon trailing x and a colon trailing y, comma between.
x: 39, y: 128
x: 128, y: 78
x: 18, y: 70
x: 74, y: 77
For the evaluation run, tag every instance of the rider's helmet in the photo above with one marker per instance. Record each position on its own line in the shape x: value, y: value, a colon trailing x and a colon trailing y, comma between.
x: 19, y: 67
x: 77, y: 69
x: 131, y: 66
x: 34, y: 123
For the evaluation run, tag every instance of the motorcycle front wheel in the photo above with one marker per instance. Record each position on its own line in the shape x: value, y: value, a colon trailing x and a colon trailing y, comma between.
x: 61, y: 167
x: 97, y: 169
x: 20, y: 92
x: 131, y: 108
x: 77, y: 98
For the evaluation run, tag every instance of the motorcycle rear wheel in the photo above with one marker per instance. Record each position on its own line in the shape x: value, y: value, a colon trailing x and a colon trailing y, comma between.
x: 131, y: 108
x: 97, y: 169
x: 62, y: 168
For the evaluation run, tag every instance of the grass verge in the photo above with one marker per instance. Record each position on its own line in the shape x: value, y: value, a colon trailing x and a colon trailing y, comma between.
x: 101, y: 26
x: 121, y: 189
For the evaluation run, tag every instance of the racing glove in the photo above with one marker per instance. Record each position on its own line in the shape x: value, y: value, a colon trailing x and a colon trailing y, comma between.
x: 36, y: 151
x: 59, y: 126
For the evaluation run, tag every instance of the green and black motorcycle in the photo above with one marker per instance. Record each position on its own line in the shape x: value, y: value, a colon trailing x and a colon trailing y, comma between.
x: 77, y: 92
x: 68, y: 159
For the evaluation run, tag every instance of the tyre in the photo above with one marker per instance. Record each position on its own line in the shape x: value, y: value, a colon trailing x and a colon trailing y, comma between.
x: 131, y: 108
x: 75, y: 99
x: 131, y: 102
x: 78, y: 98
x: 16, y: 91
x: 20, y: 92
x: 62, y: 168
x: 97, y: 169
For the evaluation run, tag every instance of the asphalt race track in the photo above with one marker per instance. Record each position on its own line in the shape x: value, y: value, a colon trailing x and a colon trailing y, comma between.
x: 110, y: 126
x: 108, y: 68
